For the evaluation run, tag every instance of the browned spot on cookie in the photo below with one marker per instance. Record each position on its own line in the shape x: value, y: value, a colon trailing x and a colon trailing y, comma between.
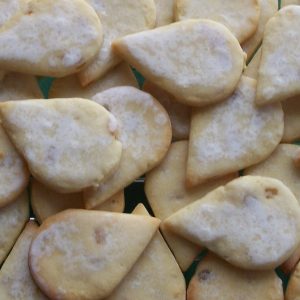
x: 271, y: 192
x: 204, y: 275
x: 99, y: 235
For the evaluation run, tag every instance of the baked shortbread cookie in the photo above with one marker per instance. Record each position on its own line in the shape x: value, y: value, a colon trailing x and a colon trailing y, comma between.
x: 215, y: 279
x: 178, y: 58
x: 164, y: 12
x: 155, y: 275
x: 57, y: 135
x: 46, y: 202
x: 93, y: 245
x: 240, y: 17
x: 268, y: 8
x: 261, y: 232
x: 145, y: 133
x: 278, y: 79
x: 252, y: 68
x: 233, y: 135
x: 51, y: 38
x: 119, y: 18
x: 289, y: 2
x: 289, y: 265
x: 12, y: 220
x: 178, y: 112
x: 9, y: 8
x: 69, y: 87
x: 15, y: 278
x: 293, y: 288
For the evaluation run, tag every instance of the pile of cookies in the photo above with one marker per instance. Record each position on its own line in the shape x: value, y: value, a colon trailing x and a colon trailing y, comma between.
x: 213, y: 129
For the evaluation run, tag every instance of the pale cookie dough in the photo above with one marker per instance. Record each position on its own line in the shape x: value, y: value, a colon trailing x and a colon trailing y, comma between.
x: 12, y: 220
x: 63, y: 148
x: 279, y: 71
x: 69, y: 87
x: 252, y: 68
x: 252, y: 222
x: 178, y: 112
x: 233, y: 135
x: 94, y: 250
x: 156, y: 274
x: 119, y: 18
x: 293, y: 288
x: 16, y: 86
x: 268, y: 8
x: 239, y: 16
x: 16, y: 282
x: 145, y: 133
x: 14, y: 174
x: 179, y: 59
x: 164, y: 12
x: 50, y: 38
x: 46, y: 202
x: 215, y: 279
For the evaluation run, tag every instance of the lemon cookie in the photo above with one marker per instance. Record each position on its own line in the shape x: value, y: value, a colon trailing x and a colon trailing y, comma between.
x: 100, y: 247
x: 119, y: 18
x: 12, y: 220
x: 262, y: 230
x: 46, y: 202
x: 215, y: 279
x: 293, y: 288
x: 145, y: 133
x: 233, y: 135
x: 178, y: 112
x: 57, y: 135
x: 50, y: 38
x: 155, y: 275
x: 164, y: 12
x: 15, y: 279
x: 68, y: 87
x: 278, y: 76
x: 186, y: 67
x: 240, y: 17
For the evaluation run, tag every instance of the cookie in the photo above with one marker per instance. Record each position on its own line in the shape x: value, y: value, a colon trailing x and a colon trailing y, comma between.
x: 46, y: 202
x: 69, y: 87
x: 156, y: 274
x: 216, y: 279
x: 293, y: 288
x: 252, y: 68
x: 186, y: 67
x: 263, y: 228
x: 12, y: 220
x: 289, y: 2
x: 102, y: 255
x: 240, y: 17
x: 145, y: 133
x: 297, y: 159
x: 50, y: 38
x: 15, y: 86
x: 179, y: 113
x: 2, y: 74
x: 278, y: 79
x: 15, y: 279
x: 233, y: 135
x: 289, y: 265
x: 56, y: 135
x: 164, y: 12
x: 268, y: 8
x: 9, y: 8
x: 13, y: 169
x: 119, y: 18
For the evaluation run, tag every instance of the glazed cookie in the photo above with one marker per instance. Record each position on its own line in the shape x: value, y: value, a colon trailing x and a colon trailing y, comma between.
x: 268, y: 8
x: 215, y: 279
x: 278, y: 79
x: 12, y: 220
x: 77, y: 244
x: 233, y: 135
x: 263, y: 228
x: 293, y: 288
x: 16, y: 86
x: 164, y: 12
x: 69, y: 87
x: 15, y: 279
x: 47, y: 132
x: 156, y: 274
x: 179, y: 113
x: 50, y: 38
x: 145, y: 133
x: 186, y: 67
x: 119, y: 18
x: 240, y: 17
x: 46, y: 202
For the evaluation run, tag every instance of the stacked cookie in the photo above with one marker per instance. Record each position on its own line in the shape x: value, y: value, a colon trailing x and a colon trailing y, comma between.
x: 213, y: 138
